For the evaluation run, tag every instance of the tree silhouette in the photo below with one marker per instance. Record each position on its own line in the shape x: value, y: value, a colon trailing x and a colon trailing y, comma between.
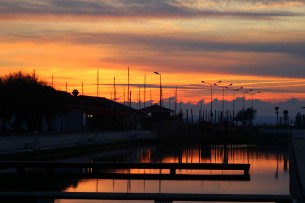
x: 25, y: 101
x: 246, y: 116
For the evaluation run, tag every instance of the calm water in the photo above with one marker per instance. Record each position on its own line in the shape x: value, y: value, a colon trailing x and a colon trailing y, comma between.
x: 269, y: 171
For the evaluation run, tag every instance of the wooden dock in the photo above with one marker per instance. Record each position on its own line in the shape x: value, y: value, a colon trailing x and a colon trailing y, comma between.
x: 21, y: 166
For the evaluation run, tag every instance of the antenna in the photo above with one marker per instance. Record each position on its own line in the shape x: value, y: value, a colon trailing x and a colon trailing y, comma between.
x: 82, y: 88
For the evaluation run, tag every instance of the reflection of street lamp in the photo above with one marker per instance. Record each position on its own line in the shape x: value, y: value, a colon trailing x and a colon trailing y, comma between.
x: 160, y: 89
x: 211, y: 84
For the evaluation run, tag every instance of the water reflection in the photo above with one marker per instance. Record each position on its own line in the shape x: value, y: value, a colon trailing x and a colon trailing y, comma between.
x: 268, y: 171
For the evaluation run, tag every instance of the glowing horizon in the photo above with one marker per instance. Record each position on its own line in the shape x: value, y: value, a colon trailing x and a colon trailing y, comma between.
x: 254, y: 44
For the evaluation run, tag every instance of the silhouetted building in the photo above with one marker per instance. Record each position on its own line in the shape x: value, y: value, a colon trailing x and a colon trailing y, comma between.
x: 157, y: 113
x: 95, y: 113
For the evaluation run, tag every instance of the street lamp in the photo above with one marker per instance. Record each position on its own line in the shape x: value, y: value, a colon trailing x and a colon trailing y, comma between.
x: 160, y: 89
x: 211, y: 84
x: 223, y: 98
x: 234, y: 97
x: 252, y: 93
x: 277, y: 114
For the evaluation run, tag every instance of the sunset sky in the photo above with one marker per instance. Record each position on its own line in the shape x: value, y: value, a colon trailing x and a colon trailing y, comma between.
x: 257, y: 44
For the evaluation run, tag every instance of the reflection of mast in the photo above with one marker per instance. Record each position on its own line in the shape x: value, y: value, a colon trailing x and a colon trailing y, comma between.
x: 225, y: 154
x: 160, y: 185
x: 277, y: 167
x: 97, y: 185
x: 285, y: 163
x: 128, y: 184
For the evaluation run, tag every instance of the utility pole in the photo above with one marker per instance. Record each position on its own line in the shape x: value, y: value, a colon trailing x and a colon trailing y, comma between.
x: 129, y: 94
x: 144, y: 90
x: 176, y: 99
x: 124, y: 94
x: 52, y: 80
x: 139, y: 97
x: 114, y: 90
x: 97, y: 83
x: 150, y: 97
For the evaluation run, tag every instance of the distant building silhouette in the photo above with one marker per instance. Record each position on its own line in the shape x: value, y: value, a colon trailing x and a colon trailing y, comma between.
x: 95, y: 113
x: 155, y: 114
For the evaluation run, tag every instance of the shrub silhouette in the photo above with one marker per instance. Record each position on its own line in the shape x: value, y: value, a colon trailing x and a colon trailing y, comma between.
x: 246, y: 116
x: 25, y: 101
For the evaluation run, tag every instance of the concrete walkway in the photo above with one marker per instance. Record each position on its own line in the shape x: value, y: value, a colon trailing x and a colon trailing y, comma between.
x: 299, y: 154
x: 37, y: 141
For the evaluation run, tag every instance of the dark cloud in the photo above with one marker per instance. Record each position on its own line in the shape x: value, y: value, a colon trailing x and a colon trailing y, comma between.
x: 185, y: 53
x: 133, y: 8
x: 180, y: 43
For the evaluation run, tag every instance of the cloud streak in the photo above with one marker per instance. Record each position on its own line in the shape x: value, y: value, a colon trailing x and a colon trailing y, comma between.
x: 14, y: 9
x: 273, y: 58
x: 178, y: 43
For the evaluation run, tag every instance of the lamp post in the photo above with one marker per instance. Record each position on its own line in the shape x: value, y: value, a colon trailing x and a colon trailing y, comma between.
x: 244, y: 98
x: 211, y: 84
x: 223, y: 98
x: 277, y: 114
x: 252, y: 93
x: 234, y: 91
x: 160, y: 89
